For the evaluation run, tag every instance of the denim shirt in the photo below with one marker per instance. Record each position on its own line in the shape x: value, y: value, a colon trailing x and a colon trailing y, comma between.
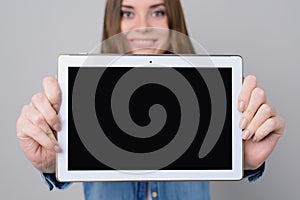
x: 195, y: 190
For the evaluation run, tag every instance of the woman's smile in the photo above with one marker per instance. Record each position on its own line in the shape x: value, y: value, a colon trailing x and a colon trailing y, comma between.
x: 142, y: 42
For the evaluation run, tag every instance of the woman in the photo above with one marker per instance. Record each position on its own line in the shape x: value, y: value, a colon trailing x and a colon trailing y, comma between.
x: 136, y: 19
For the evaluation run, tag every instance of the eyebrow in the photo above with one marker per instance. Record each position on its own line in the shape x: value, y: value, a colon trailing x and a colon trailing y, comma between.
x: 152, y: 6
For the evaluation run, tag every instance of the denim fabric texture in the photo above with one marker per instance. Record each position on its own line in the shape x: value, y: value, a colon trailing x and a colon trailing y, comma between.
x: 195, y: 190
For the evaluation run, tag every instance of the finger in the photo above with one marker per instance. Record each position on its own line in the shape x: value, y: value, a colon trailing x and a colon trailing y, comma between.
x: 264, y: 112
x: 249, y: 84
x: 36, y: 118
x: 41, y: 103
x: 257, y: 99
x: 272, y: 125
x: 37, y: 134
x: 52, y: 92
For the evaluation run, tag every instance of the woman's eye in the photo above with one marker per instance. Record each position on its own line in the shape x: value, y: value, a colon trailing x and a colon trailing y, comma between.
x: 126, y: 14
x: 159, y: 13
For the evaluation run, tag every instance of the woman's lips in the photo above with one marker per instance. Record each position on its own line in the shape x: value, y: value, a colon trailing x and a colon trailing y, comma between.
x: 142, y: 43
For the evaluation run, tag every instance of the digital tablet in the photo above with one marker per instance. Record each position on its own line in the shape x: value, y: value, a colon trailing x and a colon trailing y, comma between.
x: 149, y: 118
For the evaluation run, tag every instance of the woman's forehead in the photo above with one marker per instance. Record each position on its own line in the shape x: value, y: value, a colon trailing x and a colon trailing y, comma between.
x: 142, y: 2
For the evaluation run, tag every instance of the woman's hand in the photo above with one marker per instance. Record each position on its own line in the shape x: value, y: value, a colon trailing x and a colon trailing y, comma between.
x: 262, y: 126
x: 37, y: 127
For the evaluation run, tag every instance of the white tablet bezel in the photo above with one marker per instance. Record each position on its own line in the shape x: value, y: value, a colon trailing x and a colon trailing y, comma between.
x: 103, y: 60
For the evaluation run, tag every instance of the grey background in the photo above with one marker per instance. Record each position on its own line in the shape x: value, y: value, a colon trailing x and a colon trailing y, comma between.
x: 266, y: 33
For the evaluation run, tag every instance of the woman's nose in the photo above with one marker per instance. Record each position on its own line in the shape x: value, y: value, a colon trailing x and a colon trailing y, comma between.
x: 142, y: 24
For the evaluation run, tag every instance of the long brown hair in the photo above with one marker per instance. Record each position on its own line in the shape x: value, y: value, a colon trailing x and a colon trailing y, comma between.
x: 179, y: 39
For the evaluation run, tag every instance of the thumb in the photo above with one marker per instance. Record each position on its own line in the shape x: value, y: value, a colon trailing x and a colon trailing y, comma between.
x: 52, y: 92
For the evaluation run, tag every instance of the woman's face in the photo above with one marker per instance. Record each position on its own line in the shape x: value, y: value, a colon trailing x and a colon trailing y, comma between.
x: 145, y: 25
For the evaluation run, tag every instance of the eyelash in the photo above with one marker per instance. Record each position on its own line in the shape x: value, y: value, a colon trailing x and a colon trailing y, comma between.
x: 159, y: 13
x: 129, y: 14
x: 126, y: 14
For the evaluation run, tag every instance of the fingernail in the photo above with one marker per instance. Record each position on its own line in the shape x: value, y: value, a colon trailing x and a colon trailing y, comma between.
x: 57, y: 149
x: 255, y: 139
x: 241, y: 106
x: 243, y: 123
x: 245, y: 134
x: 57, y: 127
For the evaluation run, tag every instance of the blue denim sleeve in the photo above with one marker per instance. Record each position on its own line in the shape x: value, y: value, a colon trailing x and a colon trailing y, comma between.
x: 253, y: 175
x: 51, y: 181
